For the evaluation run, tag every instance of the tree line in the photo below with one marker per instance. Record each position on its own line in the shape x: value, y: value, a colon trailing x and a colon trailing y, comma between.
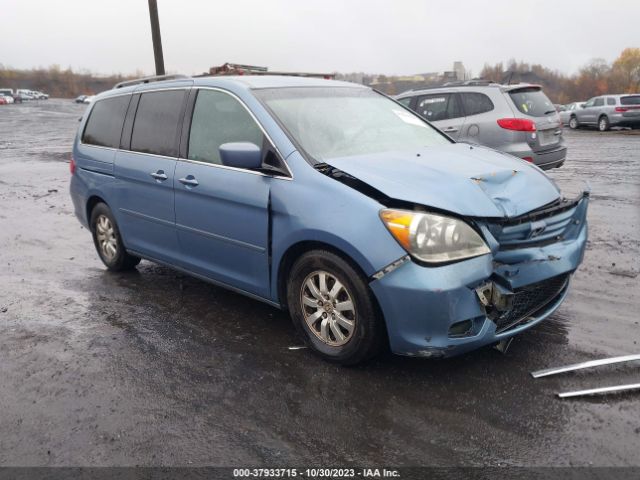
x: 595, y: 78
x: 58, y: 82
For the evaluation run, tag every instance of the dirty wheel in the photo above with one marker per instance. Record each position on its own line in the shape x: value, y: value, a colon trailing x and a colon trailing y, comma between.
x: 603, y: 124
x: 573, y: 123
x: 108, y: 241
x: 333, y: 308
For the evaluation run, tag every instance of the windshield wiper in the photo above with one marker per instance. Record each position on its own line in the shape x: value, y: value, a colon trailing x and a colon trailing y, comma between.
x: 548, y: 112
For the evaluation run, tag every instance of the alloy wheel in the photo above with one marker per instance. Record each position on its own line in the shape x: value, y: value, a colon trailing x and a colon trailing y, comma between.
x: 328, y: 308
x: 106, y: 236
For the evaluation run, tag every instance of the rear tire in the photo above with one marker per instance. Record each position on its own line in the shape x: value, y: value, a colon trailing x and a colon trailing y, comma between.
x: 603, y: 124
x: 573, y: 123
x: 108, y: 241
x: 333, y: 308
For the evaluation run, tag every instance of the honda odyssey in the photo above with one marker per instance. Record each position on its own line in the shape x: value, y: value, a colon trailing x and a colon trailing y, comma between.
x: 331, y: 201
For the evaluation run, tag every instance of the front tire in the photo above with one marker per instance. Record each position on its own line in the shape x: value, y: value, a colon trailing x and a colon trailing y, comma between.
x: 333, y: 308
x: 603, y: 124
x: 108, y: 241
x: 573, y: 123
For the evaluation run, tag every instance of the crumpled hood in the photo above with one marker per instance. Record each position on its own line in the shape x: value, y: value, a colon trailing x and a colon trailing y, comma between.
x: 459, y: 178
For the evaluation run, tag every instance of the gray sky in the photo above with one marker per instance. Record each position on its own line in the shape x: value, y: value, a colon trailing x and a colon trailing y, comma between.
x: 375, y: 36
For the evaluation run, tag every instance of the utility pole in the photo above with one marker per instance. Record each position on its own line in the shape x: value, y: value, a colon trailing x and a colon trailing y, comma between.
x: 155, y: 34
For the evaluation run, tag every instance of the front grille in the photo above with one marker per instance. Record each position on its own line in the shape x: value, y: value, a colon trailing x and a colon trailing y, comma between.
x: 539, y: 227
x: 531, y: 299
x: 554, y: 225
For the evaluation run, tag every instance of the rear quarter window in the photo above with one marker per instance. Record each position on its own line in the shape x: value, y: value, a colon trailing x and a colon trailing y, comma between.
x: 106, y: 118
x: 532, y: 102
x: 475, y: 103
x: 631, y: 100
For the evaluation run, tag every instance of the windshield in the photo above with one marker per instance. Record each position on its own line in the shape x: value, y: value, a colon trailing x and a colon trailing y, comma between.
x: 340, y: 121
x: 532, y: 101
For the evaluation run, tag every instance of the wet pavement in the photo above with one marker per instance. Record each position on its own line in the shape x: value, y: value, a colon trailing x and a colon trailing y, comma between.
x: 155, y: 368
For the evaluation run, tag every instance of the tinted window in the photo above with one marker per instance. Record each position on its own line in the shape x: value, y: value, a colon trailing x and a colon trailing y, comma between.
x: 155, y: 128
x: 405, y: 101
x: 532, y: 101
x: 599, y: 102
x: 219, y: 118
x: 433, y: 107
x: 104, y: 126
x: 439, y: 107
x: 611, y: 101
x: 634, y: 100
x: 475, y: 103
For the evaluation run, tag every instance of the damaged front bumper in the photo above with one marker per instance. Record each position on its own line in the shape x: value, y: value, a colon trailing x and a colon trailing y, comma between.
x: 448, y: 310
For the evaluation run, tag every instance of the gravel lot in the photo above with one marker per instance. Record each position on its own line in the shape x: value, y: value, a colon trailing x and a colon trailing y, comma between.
x: 154, y: 368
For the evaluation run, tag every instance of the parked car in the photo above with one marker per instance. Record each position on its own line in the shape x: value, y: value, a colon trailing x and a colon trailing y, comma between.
x: 3, y: 100
x: 565, y: 114
x: 8, y: 98
x: 331, y: 201
x: 10, y: 95
x: 25, y: 94
x: 88, y: 99
x: 516, y: 119
x: 39, y: 95
x: 80, y: 98
x: 608, y: 111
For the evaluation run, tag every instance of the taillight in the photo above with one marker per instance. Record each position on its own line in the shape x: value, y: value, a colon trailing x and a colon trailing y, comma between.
x: 72, y: 166
x: 519, y: 124
x: 622, y: 109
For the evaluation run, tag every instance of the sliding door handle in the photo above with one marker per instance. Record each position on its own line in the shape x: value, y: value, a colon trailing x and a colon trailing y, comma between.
x: 159, y: 175
x: 189, y: 181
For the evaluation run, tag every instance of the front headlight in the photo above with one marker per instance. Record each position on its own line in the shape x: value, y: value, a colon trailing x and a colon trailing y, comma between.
x: 433, y: 238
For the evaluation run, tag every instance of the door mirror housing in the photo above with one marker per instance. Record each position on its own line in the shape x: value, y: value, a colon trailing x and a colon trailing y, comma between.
x: 241, y: 155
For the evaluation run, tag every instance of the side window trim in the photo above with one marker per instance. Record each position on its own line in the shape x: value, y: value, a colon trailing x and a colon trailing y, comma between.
x: 455, y: 97
x: 183, y: 152
x: 127, y: 129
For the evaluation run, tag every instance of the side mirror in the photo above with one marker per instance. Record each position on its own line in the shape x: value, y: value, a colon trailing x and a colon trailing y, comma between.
x: 241, y: 155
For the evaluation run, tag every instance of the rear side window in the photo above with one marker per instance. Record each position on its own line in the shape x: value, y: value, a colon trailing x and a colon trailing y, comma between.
x: 532, y: 101
x: 104, y: 125
x: 442, y: 106
x: 219, y: 118
x: 632, y: 100
x: 155, y: 129
x: 611, y: 101
x: 475, y: 103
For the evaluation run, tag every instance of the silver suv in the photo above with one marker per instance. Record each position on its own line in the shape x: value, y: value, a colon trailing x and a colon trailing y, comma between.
x: 516, y: 119
x: 608, y: 111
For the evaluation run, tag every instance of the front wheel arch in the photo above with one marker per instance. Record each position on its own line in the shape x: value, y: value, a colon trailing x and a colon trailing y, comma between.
x: 294, y: 252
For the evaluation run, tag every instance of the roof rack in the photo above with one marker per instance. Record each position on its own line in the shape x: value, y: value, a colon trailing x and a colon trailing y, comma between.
x: 478, y: 82
x: 462, y: 83
x: 155, y: 78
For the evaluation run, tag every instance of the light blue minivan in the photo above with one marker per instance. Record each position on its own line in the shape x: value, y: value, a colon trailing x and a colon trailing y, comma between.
x: 371, y: 227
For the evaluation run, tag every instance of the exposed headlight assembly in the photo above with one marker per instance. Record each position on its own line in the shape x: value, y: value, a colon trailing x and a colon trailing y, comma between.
x: 433, y: 238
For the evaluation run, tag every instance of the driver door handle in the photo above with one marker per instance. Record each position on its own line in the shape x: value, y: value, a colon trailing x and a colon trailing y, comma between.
x: 450, y: 129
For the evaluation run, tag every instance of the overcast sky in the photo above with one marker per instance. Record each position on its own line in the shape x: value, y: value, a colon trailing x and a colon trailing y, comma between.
x: 375, y: 36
